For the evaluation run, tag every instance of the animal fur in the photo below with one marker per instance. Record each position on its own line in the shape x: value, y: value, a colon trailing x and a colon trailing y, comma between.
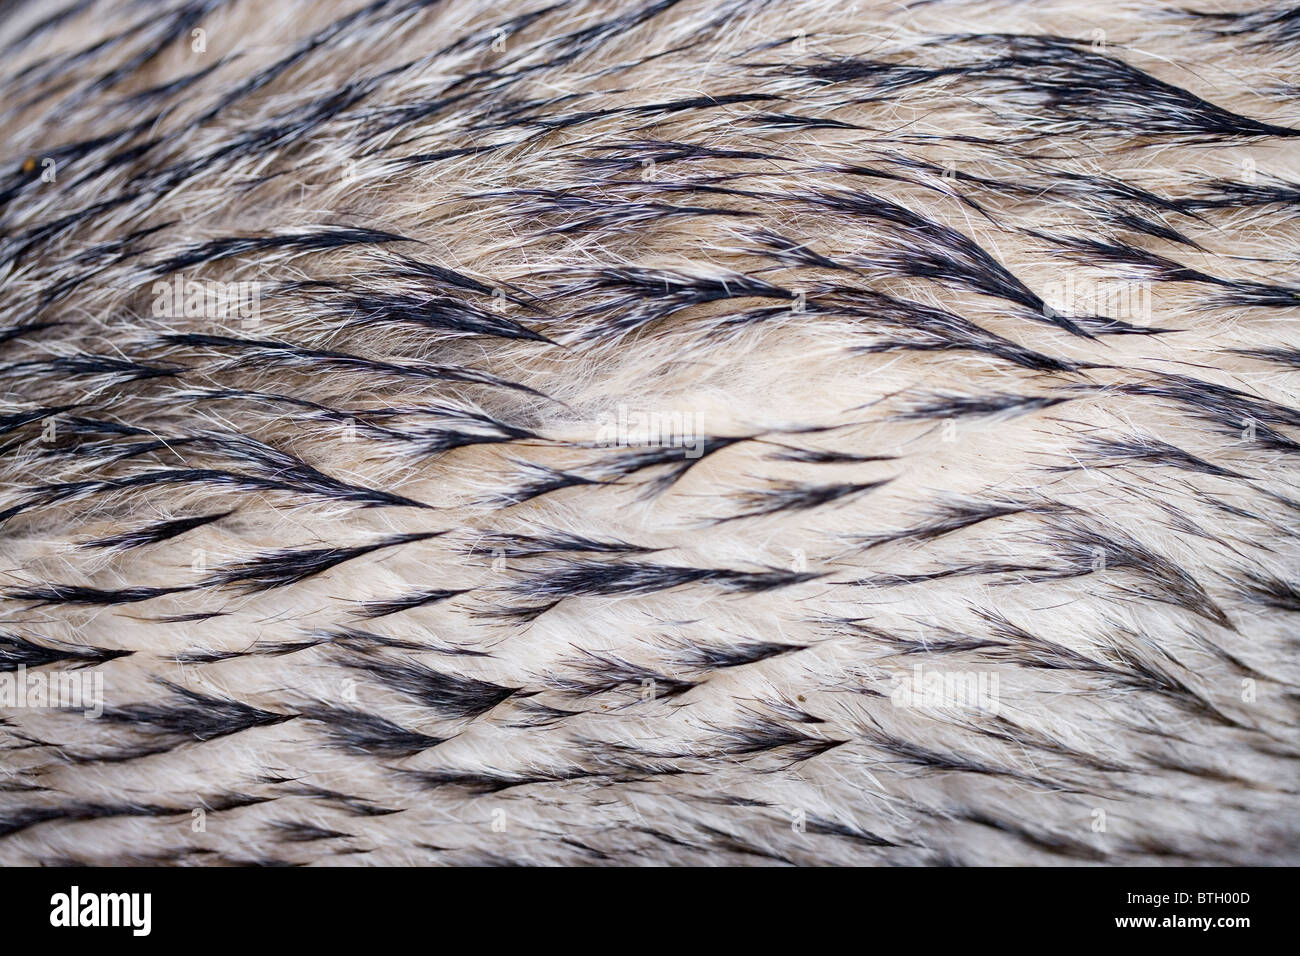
x: 595, y: 418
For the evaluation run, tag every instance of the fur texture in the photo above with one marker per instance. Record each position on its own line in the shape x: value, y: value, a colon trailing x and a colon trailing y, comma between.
x: 651, y: 431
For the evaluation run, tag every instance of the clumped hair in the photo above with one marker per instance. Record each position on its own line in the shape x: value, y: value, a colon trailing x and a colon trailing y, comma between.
x: 624, y: 431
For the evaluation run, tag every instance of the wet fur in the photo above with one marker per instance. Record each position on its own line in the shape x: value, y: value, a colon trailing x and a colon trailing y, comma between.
x: 367, y: 583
